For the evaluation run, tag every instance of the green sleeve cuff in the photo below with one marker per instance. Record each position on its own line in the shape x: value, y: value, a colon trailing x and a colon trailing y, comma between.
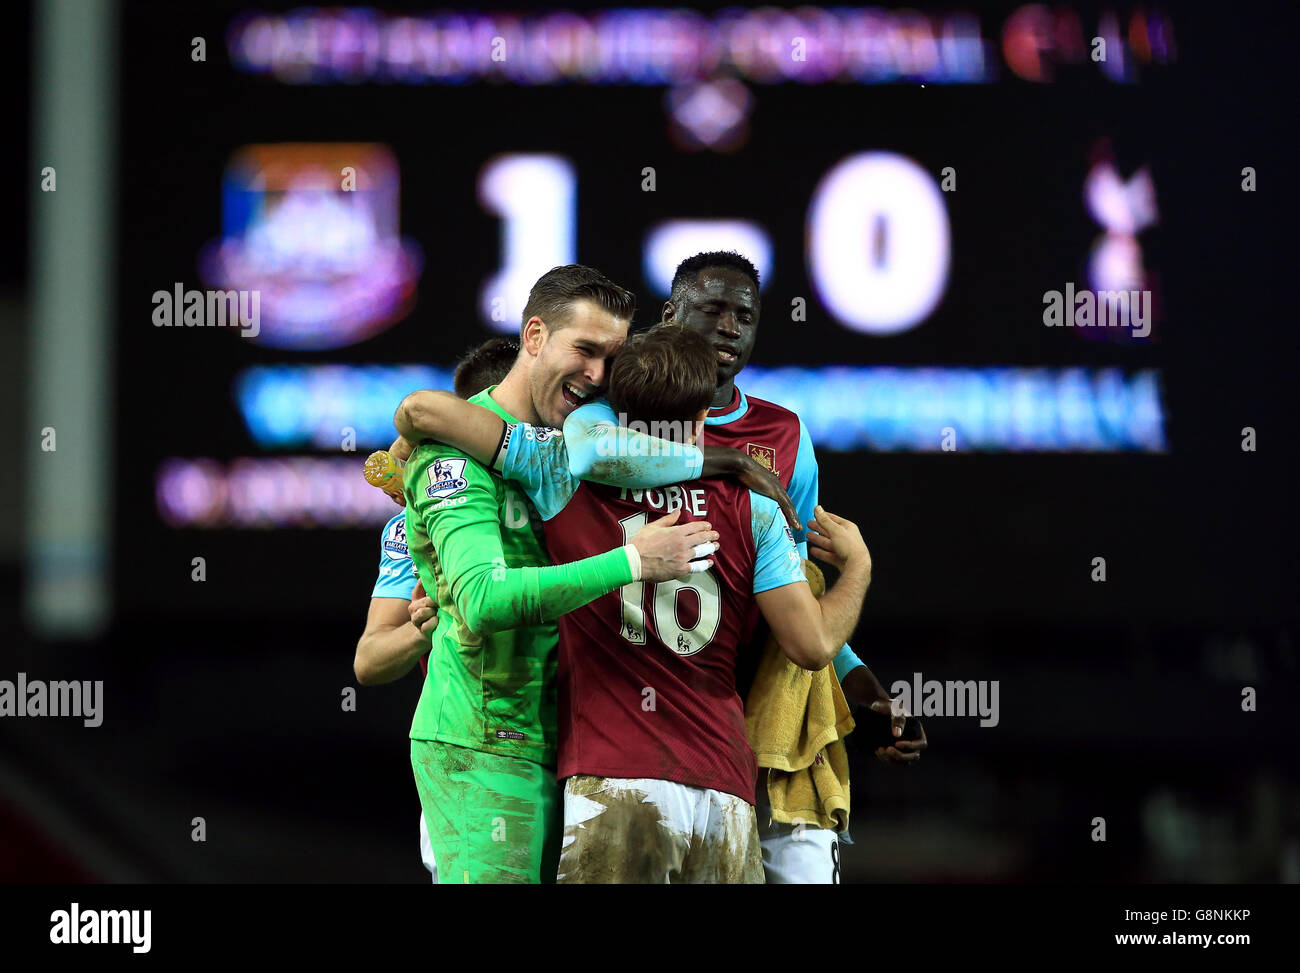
x: 564, y: 587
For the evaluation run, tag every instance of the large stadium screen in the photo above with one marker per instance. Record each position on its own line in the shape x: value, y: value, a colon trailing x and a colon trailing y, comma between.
x: 956, y: 219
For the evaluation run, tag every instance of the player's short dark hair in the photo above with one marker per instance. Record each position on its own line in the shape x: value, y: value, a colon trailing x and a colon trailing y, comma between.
x: 556, y: 291
x: 688, y: 271
x: 485, y: 365
x: 666, y: 374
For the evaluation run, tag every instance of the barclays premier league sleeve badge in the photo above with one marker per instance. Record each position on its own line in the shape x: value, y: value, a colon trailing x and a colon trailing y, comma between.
x: 446, y: 478
x: 395, y: 540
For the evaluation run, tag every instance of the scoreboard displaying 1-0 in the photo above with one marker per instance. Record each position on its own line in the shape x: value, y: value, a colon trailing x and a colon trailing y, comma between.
x: 957, y: 222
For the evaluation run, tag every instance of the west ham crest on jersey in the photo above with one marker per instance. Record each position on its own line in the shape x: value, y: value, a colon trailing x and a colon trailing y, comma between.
x: 764, y: 456
x: 446, y: 478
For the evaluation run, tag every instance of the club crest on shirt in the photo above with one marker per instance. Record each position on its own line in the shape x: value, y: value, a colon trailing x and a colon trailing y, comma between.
x: 395, y: 540
x: 446, y: 477
x: 764, y: 456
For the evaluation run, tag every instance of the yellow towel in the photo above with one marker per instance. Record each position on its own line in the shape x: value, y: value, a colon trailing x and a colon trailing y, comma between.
x: 797, y: 721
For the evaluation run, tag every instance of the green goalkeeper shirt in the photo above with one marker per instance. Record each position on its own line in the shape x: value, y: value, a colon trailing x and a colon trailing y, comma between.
x: 478, y: 548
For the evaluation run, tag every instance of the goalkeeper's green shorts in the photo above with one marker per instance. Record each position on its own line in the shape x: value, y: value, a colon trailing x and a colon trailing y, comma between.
x: 492, y: 819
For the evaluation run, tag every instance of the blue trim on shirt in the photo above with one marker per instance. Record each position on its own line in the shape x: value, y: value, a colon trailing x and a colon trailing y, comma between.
x: 803, y: 487
x: 537, y: 460
x: 741, y: 408
x: 592, y: 432
x: 776, y: 562
x: 846, y: 662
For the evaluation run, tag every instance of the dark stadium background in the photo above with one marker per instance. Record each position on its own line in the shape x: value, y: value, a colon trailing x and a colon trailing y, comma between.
x: 1119, y: 700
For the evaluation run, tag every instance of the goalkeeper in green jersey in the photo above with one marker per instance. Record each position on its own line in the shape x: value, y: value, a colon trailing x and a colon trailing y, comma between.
x: 483, y: 737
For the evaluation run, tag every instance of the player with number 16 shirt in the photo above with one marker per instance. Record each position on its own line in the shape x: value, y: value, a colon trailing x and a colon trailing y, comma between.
x: 652, y: 743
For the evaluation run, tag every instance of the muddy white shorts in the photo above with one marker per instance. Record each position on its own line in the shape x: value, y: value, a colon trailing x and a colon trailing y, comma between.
x: 796, y: 854
x: 646, y: 831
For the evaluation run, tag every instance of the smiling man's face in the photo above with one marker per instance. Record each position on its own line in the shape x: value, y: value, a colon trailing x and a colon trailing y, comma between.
x: 572, y: 360
x: 722, y: 305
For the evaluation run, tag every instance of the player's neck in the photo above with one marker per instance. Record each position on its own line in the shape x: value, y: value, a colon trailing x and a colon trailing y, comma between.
x: 723, y: 394
x: 513, y: 396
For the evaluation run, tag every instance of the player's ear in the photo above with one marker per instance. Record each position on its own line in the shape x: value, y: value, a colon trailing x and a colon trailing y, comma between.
x: 668, y: 311
x: 533, y: 335
x: 699, y: 426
